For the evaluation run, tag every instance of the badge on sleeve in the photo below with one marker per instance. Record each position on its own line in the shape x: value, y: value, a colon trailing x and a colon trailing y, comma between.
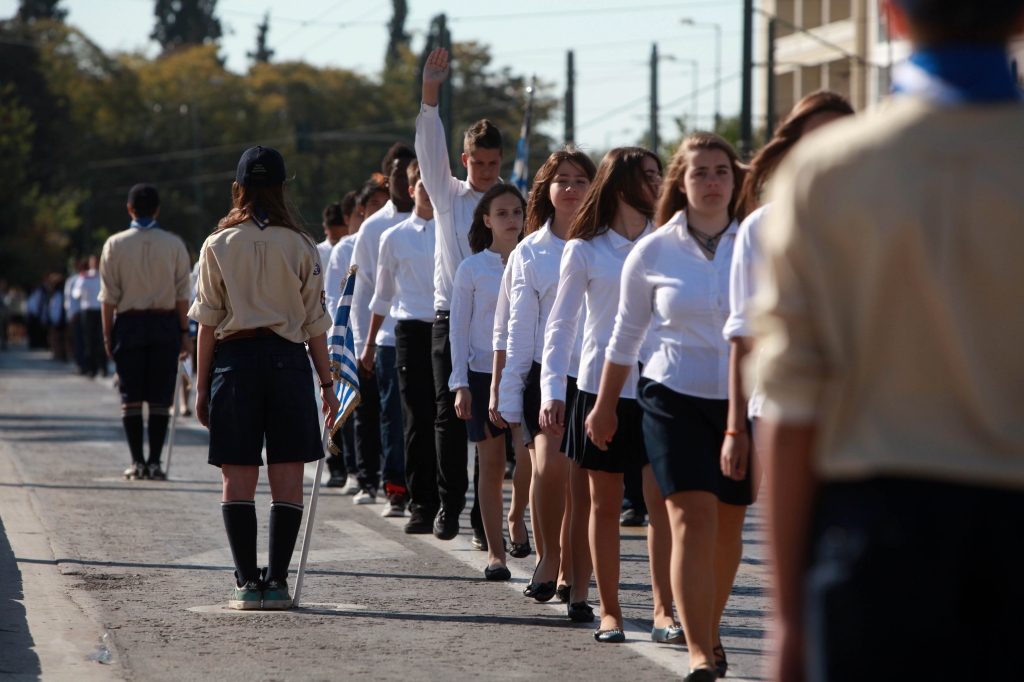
x: 316, y: 268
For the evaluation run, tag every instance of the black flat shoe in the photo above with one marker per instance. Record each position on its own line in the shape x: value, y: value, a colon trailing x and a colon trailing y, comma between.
x: 580, y: 612
x: 613, y: 636
x: 544, y: 592
x: 530, y: 589
x: 721, y: 664
x: 519, y: 550
x: 497, y: 573
x: 701, y: 675
x: 563, y: 593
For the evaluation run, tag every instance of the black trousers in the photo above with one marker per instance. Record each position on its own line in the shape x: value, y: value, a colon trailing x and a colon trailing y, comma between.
x: 367, y: 431
x: 416, y: 387
x: 94, y: 359
x: 449, y: 430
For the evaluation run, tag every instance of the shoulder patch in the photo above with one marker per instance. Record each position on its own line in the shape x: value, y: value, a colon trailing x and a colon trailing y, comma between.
x: 316, y: 268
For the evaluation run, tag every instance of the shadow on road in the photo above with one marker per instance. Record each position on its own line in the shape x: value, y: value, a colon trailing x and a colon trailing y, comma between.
x: 16, y: 642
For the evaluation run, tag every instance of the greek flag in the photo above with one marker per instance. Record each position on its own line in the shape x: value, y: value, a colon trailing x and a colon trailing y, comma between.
x: 342, y: 356
x: 521, y: 168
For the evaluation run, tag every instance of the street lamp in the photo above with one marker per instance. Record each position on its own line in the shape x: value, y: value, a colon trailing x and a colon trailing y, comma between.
x: 695, y: 75
x: 687, y: 21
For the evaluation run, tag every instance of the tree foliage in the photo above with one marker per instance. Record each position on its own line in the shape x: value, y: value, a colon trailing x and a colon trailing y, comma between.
x: 398, y: 38
x: 262, y: 54
x: 30, y: 10
x: 185, y: 22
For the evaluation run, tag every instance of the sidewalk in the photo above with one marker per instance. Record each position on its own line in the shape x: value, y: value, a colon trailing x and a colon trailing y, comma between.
x: 85, y: 553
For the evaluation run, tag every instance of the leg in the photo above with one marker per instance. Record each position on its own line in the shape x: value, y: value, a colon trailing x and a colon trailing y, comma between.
x: 392, y: 439
x: 367, y: 424
x: 450, y: 431
x: 285, y: 516
x: 582, y: 564
x: 693, y: 517
x: 565, y: 562
x: 239, y: 511
x: 492, y: 474
x: 416, y: 388
x: 475, y: 521
x: 605, y: 503
x: 549, y: 504
x: 523, y: 473
x: 659, y: 549
x: 728, y: 552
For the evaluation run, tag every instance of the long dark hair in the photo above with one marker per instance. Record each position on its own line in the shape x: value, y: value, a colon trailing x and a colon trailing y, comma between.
x: 480, y: 236
x: 266, y: 203
x: 620, y: 177
x: 540, y: 209
x: 672, y: 198
x: 788, y: 134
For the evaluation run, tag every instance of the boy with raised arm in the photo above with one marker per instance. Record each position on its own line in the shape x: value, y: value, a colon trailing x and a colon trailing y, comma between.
x: 454, y: 201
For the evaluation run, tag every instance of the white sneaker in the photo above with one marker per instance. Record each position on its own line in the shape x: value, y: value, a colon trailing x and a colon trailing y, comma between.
x: 351, y: 485
x: 394, y: 509
x: 365, y: 497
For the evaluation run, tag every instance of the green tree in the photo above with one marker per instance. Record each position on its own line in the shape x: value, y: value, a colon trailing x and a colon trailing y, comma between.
x: 262, y: 54
x: 398, y: 39
x: 185, y: 22
x: 30, y: 10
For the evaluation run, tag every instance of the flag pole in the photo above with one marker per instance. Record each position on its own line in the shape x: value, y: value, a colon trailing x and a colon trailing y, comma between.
x: 174, y: 418
x: 308, y: 534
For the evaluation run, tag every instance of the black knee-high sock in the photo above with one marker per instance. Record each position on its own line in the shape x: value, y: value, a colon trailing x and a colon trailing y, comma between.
x: 285, y: 519
x: 131, y: 417
x: 240, y: 524
x: 158, y: 417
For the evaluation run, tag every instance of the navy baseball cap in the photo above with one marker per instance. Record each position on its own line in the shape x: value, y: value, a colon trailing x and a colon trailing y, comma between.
x: 260, y: 167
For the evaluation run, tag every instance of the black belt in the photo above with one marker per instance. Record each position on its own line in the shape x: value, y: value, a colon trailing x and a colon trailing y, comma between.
x: 442, y: 315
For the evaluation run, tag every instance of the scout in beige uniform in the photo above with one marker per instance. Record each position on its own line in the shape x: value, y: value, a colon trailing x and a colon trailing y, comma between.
x: 260, y: 296
x: 144, y: 292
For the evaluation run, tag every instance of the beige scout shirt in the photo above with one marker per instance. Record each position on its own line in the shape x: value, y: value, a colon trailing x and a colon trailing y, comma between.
x: 144, y: 269
x: 251, y: 278
x: 891, y: 311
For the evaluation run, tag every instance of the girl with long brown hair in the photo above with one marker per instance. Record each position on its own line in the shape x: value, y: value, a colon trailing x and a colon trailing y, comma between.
x: 615, y: 215
x: 558, y: 190
x: 671, y: 309
x: 260, y: 297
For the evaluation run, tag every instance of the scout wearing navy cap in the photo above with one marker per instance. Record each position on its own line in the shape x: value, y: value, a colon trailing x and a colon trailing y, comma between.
x: 260, y: 167
x: 256, y: 393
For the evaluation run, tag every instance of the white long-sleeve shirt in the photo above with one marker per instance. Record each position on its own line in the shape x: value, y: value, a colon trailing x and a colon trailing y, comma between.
x: 87, y: 290
x: 336, y: 269
x: 324, y: 248
x: 454, y: 201
x: 745, y: 260
x: 364, y: 256
x: 404, y: 283
x: 72, y: 306
x: 474, y: 301
x: 590, y: 273
x: 534, y: 284
x: 677, y: 300
x: 499, y: 340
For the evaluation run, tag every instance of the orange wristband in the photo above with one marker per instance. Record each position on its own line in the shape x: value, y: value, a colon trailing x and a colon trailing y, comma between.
x: 734, y: 433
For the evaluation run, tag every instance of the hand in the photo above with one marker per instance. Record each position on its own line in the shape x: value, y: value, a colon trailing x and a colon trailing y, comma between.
x: 601, y: 426
x: 203, y: 407
x: 735, y: 456
x: 366, y: 359
x: 492, y: 411
x: 552, y: 418
x: 435, y: 71
x: 331, y: 405
x: 185, y: 343
x: 463, y: 404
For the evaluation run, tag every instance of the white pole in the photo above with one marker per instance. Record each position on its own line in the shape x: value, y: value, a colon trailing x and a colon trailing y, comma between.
x: 174, y: 418
x: 308, y: 534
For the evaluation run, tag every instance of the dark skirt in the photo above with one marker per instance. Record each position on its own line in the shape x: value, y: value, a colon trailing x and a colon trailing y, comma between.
x: 627, y: 447
x: 480, y: 427
x: 684, y: 437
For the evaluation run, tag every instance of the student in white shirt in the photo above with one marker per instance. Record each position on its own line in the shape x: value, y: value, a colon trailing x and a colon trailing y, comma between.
x: 813, y: 111
x: 615, y: 215
x: 558, y: 190
x: 675, y: 297
x: 403, y: 293
x: 333, y: 222
x: 496, y: 229
x: 454, y: 203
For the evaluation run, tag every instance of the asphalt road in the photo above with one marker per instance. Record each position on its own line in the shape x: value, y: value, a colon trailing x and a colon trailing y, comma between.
x: 102, y: 578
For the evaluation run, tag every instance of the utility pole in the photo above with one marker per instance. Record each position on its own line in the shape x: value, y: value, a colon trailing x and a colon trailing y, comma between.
x: 570, y: 99
x: 654, y: 98
x: 770, y: 95
x: 746, y: 95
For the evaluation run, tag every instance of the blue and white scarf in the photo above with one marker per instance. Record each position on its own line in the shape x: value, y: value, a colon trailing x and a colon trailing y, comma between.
x: 145, y: 223
x: 958, y: 75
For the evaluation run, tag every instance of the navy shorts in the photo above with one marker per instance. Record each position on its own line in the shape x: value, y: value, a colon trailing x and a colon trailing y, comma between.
x: 684, y: 437
x: 145, y: 348
x: 480, y: 427
x: 262, y: 391
x: 531, y: 403
x: 627, y: 447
